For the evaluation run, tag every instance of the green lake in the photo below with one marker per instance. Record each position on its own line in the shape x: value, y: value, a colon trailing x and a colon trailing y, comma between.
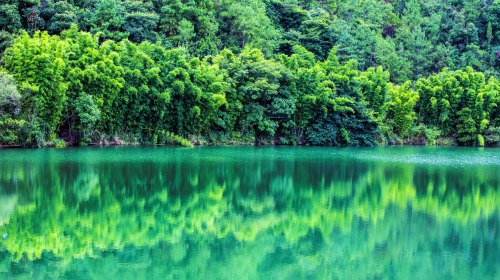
x: 250, y: 213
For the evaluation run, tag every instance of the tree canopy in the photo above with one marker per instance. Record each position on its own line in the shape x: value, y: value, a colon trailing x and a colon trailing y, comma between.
x: 255, y: 71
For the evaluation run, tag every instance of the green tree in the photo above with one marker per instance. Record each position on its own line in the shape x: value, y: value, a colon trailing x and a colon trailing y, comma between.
x: 141, y: 21
x: 108, y: 19
x: 375, y: 88
x: 186, y: 32
x: 10, y: 20
x: 9, y: 95
x: 248, y: 26
x: 64, y: 16
x: 261, y: 95
x: 467, y: 130
x: 401, y: 114
x: 458, y: 98
x: 48, y: 52
x: 88, y: 113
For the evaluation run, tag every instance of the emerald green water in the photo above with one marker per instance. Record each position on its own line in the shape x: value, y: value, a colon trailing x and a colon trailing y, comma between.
x: 250, y: 213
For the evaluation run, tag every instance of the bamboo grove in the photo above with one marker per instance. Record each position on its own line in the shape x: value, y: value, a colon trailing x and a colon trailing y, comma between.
x: 333, y: 73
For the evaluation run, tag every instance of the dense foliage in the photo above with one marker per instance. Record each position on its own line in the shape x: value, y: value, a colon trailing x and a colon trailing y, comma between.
x: 330, y: 72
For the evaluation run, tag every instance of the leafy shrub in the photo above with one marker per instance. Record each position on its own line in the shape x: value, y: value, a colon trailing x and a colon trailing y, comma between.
x: 56, y: 143
x: 492, y: 136
x: 171, y: 139
x: 422, y: 135
x: 10, y: 129
x: 9, y: 94
x: 480, y: 140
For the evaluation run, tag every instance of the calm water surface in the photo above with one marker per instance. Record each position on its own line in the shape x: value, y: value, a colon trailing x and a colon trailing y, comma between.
x: 250, y: 213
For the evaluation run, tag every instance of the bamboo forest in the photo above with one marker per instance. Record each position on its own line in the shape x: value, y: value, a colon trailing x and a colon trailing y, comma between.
x: 249, y: 139
x: 270, y: 72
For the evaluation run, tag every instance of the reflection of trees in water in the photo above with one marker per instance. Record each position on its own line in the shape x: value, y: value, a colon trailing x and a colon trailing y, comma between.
x: 7, y: 207
x: 196, y: 218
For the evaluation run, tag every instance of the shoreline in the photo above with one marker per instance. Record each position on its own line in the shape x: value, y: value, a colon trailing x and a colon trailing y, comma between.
x: 19, y: 147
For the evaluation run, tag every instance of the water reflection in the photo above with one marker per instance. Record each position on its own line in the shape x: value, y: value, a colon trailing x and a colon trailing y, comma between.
x: 250, y: 213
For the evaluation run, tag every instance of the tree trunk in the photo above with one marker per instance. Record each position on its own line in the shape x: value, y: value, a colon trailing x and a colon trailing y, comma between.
x: 371, y: 56
x: 244, y: 34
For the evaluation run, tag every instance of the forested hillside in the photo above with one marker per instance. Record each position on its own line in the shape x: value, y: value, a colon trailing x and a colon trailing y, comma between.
x: 325, y: 72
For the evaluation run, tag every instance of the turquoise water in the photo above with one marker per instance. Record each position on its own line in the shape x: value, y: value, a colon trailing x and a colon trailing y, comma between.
x: 250, y: 213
